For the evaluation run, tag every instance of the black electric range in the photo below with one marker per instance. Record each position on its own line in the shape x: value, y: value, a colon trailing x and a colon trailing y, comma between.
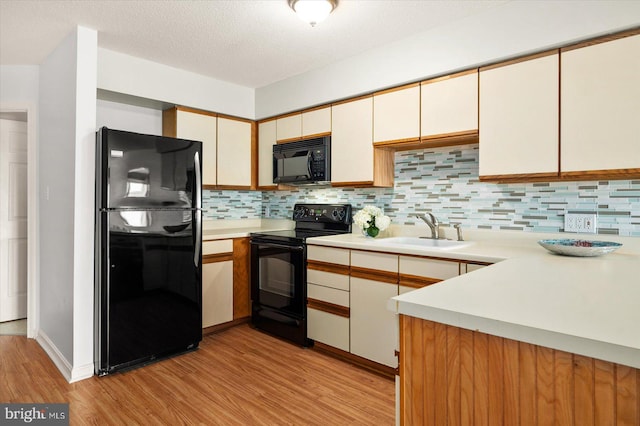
x: 279, y: 269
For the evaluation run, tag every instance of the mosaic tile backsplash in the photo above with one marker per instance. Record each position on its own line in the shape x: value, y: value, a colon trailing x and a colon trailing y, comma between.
x: 445, y: 182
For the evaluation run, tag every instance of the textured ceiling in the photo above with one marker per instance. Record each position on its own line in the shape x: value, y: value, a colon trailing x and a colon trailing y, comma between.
x: 248, y: 42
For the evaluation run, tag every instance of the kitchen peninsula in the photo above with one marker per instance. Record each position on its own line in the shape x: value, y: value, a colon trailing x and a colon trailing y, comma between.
x: 535, y: 337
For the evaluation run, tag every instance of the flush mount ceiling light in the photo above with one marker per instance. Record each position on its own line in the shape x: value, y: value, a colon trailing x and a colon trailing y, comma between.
x: 313, y: 11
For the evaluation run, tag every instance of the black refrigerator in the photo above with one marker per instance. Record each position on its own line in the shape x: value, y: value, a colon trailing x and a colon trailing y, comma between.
x: 148, y: 249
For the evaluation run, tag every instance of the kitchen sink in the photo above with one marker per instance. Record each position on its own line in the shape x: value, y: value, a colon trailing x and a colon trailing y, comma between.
x: 416, y: 242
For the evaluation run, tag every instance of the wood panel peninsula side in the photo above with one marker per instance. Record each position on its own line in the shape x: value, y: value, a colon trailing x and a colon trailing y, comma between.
x: 451, y: 375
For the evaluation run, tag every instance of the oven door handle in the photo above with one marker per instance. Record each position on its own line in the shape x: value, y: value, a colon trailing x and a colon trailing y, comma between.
x: 284, y: 246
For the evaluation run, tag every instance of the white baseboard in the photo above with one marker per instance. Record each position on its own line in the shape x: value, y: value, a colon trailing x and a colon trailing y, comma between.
x: 81, y: 373
x: 56, y: 356
x: 71, y: 374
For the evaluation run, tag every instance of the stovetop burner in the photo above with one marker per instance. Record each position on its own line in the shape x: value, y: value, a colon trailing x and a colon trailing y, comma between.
x: 313, y: 220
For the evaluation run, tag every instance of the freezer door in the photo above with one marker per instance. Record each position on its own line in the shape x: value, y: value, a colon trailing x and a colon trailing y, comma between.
x: 145, y: 171
x: 150, y: 288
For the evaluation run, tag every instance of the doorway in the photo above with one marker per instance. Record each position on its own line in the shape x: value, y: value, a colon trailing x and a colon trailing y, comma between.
x: 17, y: 221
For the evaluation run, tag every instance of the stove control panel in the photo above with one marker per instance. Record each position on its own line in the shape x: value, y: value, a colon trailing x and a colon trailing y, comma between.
x: 336, y: 213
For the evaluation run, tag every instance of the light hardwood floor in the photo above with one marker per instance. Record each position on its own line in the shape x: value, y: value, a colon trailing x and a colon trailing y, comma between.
x: 237, y: 377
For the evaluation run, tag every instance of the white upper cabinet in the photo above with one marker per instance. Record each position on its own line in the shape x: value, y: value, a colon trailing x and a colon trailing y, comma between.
x: 519, y: 118
x: 289, y: 127
x: 396, y: 115
x: 266, y: 141
x: 352, y: 142
x: 600, y: 106
x: 305, y: 124
x: 199, y: 127
x: 234, y: 153
x: 449, y: 105
x: 316, y: 122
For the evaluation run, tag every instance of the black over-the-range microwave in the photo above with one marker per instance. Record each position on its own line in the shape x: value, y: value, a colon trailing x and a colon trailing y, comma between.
x: 303, y: 162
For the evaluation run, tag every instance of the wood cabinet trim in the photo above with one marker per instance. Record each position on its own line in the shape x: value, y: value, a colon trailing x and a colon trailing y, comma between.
x: 374, y: 367
x: 330, y: 308
x: 266, y: 120
x: 234, y: 187
x: 300, y: 138
x: 363, y: 184
x: 520, y: 59
x: 418, y: 256
x: 328, y: 267
x: 416, y: 281
x: 297, y: 112
x: 217, y: 257
x: 346, y: 101
x: 316, y: 108
x: 466, y: 137
x: 395, y: 89
x: 395, y: 143
x: 241, y: 278
x: 195, y: 110
x: 231, y: 117
x: 602, y: 174
x: 224, y: 326
x: 449, y: 76
x: 170, y: 122
x: 523, y: 177
x: 616, y: 174
x: 602, y: 39
x: 467, y: 262
x: 374, y: 275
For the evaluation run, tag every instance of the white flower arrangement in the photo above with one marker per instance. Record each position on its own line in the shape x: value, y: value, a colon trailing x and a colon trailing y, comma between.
x: 371, y: 220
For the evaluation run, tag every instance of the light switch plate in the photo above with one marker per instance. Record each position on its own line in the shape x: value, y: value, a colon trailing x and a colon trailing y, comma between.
x: 581, y: 222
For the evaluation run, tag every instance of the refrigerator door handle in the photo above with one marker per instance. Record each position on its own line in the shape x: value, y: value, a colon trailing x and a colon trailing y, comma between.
x: 198, y: 211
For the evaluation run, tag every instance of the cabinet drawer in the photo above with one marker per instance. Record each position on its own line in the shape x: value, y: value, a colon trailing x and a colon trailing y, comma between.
x: 217, y: 246
x: 328, y: 279
x: 332, y: 330
x: 429, y: 268
x: 328, y: 255
x: 375, y: 261
x: 327, y: 294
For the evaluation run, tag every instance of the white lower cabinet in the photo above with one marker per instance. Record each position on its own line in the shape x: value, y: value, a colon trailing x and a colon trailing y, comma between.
x: 349, y: 297
x: 217, y: 293
x: 217, y: 282
x: 327, y: 328
x: 374, y: 331
x: 434, y: 269
x: 328, y: 296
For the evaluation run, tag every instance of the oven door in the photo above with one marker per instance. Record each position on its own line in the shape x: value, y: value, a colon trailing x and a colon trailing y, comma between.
x: 278, y: 276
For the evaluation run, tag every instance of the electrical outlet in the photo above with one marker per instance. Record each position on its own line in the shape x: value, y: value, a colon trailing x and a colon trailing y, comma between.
x: 581, y: 222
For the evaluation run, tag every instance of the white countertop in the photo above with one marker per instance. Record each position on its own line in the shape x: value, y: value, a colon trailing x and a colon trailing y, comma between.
x: 224, y: 229
x: 589, y: 306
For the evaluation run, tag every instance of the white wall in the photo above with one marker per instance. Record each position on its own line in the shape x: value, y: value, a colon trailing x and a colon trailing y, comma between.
x: 138, y: 77
x: 66, y: 145
x: 512, y: 29
x: 84, y: 203
x: 19, y: 84
x: 128, y: 117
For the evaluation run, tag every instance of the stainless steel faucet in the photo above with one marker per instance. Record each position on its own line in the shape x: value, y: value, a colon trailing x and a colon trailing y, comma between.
x: 432, y: 223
